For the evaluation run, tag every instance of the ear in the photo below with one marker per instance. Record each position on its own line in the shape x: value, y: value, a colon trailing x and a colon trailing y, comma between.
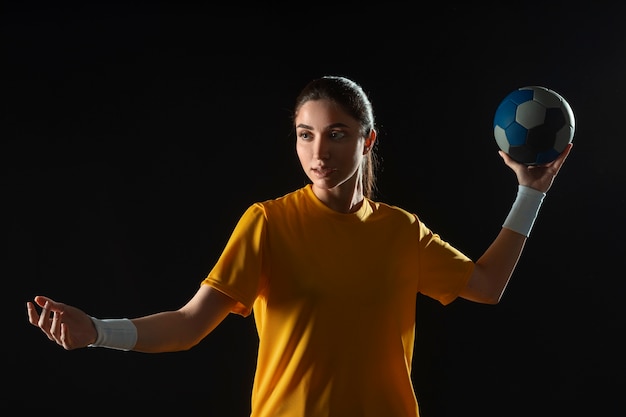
x: 369, y: 141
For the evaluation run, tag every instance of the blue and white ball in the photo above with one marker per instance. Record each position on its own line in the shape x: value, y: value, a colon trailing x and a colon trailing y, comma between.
x: 533, y: 125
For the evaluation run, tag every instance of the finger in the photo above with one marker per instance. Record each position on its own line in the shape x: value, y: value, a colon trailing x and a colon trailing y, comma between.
x: 55, y: 326
x: 44, y: 316
x: 66, y: 342
x: 41, y: 300
x: 555, y: 166
x: 33, y: 316
x: 44, y: 320
x: 565, y: 154
x: 508, y: 161
x: 505, y: 156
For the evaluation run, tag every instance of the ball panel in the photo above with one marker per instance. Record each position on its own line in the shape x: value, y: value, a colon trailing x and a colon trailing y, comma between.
x: 516, y: 134
x: 505, y: 114
x: 501, y: 139
x: 547, y: 97
x: 546, y: 156
x: 569, y: 115
x: 563, y: 137
x: 540, y: 138
x: 555, y: 118
x: 520, y: 96
x: 522, y: 154
x: 530, y: 114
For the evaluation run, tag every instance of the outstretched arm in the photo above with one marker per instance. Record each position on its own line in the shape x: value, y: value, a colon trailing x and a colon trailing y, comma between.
x: 495, y: 267
x: 185, y: 327
x: 167, y: 331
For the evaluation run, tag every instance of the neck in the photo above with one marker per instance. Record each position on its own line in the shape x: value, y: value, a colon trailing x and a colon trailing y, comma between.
x: 344, y: 198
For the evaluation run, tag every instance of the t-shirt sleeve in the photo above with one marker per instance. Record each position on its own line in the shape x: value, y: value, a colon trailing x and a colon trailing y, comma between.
x: 238, y: 271
x: 444, y: 270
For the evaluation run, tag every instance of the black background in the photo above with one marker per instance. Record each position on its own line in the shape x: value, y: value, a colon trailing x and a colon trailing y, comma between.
x: 135, y: 134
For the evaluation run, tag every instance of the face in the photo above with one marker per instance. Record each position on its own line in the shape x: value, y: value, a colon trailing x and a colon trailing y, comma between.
x: 330, y: 146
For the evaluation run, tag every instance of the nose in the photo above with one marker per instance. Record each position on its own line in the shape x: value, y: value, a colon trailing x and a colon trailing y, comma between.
x: 321, y: 149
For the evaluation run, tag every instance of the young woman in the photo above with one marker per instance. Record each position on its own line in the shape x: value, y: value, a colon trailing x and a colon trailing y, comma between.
x: 330, y: 274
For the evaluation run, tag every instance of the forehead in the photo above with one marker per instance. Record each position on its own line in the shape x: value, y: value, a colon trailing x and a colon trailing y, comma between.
x: 321, y: 113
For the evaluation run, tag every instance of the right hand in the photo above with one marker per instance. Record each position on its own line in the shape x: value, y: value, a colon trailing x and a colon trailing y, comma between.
x: 65, y: 325
x: 539, y: 177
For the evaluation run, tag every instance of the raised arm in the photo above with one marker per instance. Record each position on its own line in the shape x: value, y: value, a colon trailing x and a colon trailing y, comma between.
x: 167, y: 331
x: 495, y: 267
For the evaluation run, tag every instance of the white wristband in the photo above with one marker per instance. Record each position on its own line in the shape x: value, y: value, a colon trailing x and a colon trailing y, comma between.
x: 118, y: 334
x: 524, y: 211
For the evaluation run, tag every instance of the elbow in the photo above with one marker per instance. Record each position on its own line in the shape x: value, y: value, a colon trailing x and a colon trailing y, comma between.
x: 179, y: 346
x: 492, y: 300
x: 481, y: 297
x: 186, y: 347
x: 189, y: 342
x: 493, y: 296
x: 483, y: 294
x: 485, y: 286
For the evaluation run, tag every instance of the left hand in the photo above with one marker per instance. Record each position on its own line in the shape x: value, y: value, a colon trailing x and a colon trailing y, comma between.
x: 65, y: 325
x: 539, y: 177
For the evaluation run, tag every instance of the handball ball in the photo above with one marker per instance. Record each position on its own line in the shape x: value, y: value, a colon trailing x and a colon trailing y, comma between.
x: 533, y: 125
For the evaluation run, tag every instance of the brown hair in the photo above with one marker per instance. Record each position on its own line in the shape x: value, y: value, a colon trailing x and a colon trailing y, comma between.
x: 353, y: 100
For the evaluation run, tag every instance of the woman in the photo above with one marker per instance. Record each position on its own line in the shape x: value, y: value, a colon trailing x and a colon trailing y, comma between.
x: 331, y: 275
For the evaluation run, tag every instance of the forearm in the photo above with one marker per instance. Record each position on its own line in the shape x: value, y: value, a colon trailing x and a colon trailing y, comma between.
x: 167, y: 331
x: 494, y: 268
x: 161, y: 332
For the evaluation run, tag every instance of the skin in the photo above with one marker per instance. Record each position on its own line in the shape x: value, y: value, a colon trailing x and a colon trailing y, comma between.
x: 331, y: 149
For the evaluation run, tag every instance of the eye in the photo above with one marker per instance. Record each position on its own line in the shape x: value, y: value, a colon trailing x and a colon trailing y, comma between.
x: 337, y: 135
x: 304, y: 135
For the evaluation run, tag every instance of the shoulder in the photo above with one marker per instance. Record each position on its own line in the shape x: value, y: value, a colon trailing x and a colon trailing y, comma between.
x: 283, y: 203
x: 291, y: 199
x: 386, y: 210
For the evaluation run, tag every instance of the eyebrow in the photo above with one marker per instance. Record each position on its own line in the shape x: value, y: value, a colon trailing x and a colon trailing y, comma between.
x: 332, y: 126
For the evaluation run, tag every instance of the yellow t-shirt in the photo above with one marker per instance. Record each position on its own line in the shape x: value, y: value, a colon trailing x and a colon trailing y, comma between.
x: 334, y: 299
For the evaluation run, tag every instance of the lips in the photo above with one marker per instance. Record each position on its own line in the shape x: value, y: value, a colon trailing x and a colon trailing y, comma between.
x: 322, y: 172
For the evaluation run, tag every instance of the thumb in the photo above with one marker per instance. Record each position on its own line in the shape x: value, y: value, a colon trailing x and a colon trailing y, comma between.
x: 41, y: 300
